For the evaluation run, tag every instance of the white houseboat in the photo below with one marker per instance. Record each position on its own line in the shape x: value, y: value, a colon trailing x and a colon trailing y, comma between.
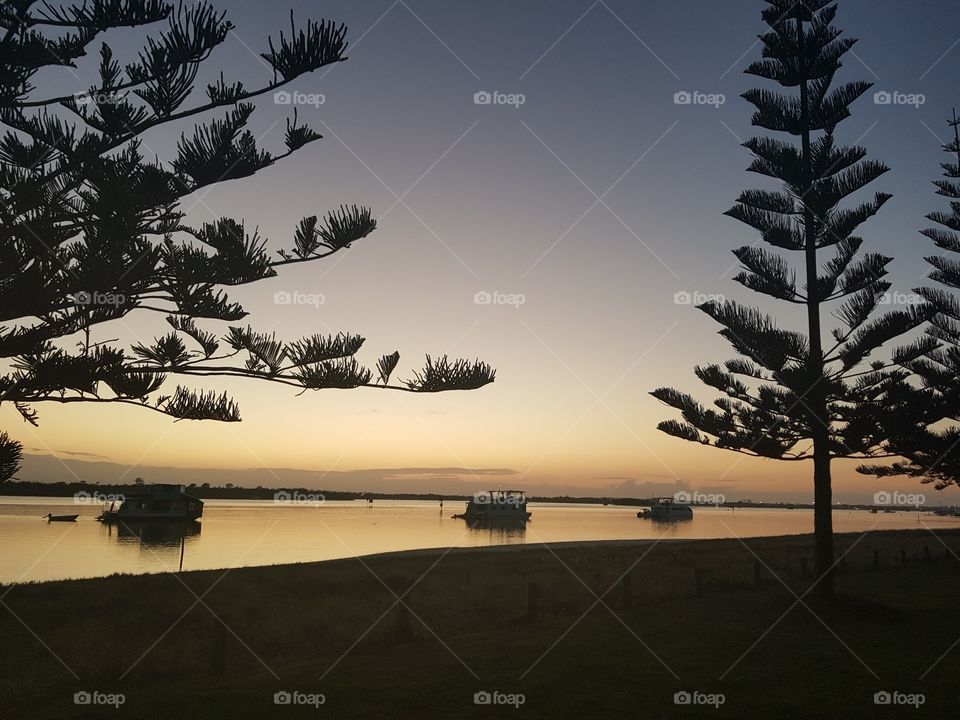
x: 155, y: 502
x: 667, y: 509
x: 496, y: 506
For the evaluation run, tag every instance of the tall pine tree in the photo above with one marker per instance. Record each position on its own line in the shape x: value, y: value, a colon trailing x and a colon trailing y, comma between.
x: 933, y: 453
x: 794, y: 395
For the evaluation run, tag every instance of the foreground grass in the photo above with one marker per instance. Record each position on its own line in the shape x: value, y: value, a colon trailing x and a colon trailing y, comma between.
x: 218, y: 644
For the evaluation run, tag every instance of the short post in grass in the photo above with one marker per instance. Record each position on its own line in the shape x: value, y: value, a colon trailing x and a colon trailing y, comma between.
x: 533, y: 601
x: 627, y: 591
x: 876, y: 559
x: 903, y: 557
x: 218, y: 648
x: 698, y: 582
x: 804, y: 572
x: 757, y: 573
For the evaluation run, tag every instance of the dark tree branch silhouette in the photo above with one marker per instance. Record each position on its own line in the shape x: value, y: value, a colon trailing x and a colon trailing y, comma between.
x: 790, y: 397
x: 933, y: 453
x: 91, y: 231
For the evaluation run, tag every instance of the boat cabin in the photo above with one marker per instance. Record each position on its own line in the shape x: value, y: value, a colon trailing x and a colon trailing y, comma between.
x: 496, y: 506
x: 667, y: 509
x: 156, y: 502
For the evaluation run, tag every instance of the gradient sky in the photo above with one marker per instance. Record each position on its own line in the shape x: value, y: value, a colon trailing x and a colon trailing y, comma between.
x: 473, y: 198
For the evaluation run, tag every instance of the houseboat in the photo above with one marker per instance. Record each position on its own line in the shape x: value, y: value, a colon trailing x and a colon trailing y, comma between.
x: 496, y: 506
x: 666, y: 509
x: 156, y: 502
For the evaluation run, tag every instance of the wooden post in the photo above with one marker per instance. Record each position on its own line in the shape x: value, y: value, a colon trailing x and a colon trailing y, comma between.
x: 804, y: 573
x: 218, y: 648
x: 533, y: 601
x: 627, y: 591
x: 757, y: 573
x: 903, y: 557
x: 698, y: 582
x: 876, y: 559
x: 183, y: 543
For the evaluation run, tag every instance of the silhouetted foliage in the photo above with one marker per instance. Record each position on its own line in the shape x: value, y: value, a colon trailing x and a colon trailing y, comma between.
x: 789, y: 397
x: 932, y: 453
x: 91, y: 231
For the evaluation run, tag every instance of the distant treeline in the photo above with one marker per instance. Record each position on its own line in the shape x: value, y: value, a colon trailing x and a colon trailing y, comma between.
x: 232, y: 492
x: 203, y: 491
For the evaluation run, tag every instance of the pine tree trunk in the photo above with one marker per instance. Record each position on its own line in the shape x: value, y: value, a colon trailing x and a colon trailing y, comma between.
x: 815, y: 399
x: 823, y: 520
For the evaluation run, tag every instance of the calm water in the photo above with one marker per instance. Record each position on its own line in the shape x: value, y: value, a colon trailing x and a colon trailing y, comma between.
x: 236, y: 533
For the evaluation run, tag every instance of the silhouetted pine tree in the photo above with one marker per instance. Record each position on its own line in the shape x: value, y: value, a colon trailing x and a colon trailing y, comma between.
x: 933, y: 454
x: 91, y: 231
x: 790, y: 397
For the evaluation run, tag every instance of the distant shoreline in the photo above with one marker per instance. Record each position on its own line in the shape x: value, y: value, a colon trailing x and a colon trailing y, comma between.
x: 206, y: 491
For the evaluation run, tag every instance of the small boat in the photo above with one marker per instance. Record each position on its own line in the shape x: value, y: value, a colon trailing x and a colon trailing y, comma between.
x: 49, y: 517
x: 496, y: 506
x: 666, y: 509
x: 160, y: 502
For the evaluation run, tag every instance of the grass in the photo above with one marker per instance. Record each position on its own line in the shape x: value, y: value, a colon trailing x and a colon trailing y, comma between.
x: 336, y: 628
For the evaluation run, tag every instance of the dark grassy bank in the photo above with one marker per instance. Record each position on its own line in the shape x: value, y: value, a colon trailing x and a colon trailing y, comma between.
x: 335, y: 628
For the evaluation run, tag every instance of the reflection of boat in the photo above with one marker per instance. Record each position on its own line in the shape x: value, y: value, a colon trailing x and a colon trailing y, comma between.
x: 498, y: 532
x: 496, y: 507
x: 148, y: 532
x: 60, y: 518
x: 667, y: 510
x: 157, y: 502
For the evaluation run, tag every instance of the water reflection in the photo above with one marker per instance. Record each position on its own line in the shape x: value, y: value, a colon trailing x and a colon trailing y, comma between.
x: 497, y: 532
x: 243, y: 533
x: 155, y: 534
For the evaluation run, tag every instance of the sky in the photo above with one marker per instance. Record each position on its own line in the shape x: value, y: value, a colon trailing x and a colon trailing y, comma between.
x: 585, y: 201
